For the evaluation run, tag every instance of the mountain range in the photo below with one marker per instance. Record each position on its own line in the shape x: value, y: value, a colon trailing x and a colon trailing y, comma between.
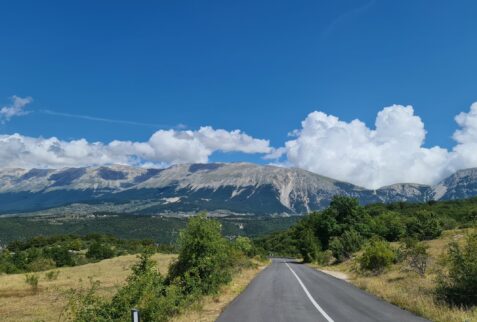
x: 242, y: 188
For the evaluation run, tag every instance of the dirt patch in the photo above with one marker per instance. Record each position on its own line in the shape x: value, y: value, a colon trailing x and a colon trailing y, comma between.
x: 339, y: 275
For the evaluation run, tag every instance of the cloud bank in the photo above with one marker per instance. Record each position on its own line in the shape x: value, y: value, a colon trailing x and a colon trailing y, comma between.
x: 165, y: 147
x: 392, y: 152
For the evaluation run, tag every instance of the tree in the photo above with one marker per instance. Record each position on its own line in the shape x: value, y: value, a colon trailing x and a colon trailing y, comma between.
x: 203, y: 263
x: 99, y: 251
x: 244, y: 244
x: 390, y: 226
x: 344, y: 246
x: 323, y: 225
x: 308, y: 244
x: 61, y: 256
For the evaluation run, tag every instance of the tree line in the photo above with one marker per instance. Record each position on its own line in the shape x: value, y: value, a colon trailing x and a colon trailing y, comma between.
x: 43, y: 253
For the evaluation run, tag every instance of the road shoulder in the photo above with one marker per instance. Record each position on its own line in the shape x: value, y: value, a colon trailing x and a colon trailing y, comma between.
x: 210, y: 307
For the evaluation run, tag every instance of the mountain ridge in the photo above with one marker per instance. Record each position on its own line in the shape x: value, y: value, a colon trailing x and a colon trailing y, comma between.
x: 236, y: 187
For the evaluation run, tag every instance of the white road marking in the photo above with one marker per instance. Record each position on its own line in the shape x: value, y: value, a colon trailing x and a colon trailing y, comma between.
x: 317, y: 306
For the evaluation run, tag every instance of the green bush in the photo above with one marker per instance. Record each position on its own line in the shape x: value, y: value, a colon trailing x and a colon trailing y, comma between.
x: 52, y: 275
x: 41, y: 264
x: 32, y: 280
x: 62, y: 256
x: 324, y: 257
x: 99, y: 251
x: 424, y: 225
x: 377, y: 256
x: 245, y: 245
x: 457, y: 284
x: 344, y: 246
x: 204, y: 262
x: 390, y: 225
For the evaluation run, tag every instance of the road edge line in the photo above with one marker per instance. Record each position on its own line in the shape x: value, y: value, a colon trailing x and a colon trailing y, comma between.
x: 315, y: 304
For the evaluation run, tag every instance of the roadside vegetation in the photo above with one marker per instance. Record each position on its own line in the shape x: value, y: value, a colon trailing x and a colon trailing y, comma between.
x: 19, y: 302
x: 46, y: 253
x: 205, y: 263
x: 196, y: 284
x: 422, y: 257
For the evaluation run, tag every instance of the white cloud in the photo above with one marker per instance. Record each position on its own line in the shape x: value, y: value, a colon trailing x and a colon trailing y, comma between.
x: 465, y: 152
x: 392, y: 152
x: 165, y: 147
x: 16, y: 108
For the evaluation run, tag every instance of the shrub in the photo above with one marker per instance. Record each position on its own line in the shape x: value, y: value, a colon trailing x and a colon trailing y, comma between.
x: 32, y: 280
x: 324, y: 257
x: 85, y: 305
x: 390, y: 226
x: 61, y: 256
x: 52, y: 275
x: 143, y: 287
x: 415, y: 253
x: 424, y: 225
x: 344, y: 246
x: 41, y: 264
x: 458, y: 284
x: 99, y: 251
x: 377, y: 256
x: 244, y: 244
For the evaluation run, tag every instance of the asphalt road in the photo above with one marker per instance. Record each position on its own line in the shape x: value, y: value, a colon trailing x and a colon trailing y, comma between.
x: 289, y: 291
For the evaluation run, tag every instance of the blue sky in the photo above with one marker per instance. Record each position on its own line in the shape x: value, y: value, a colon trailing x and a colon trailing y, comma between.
x: 257, y: 66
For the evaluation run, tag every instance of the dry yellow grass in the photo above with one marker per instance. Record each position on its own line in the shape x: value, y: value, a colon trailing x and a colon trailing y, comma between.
x: 410, y: 291
x: 210, y: 307
x: 18, y: 304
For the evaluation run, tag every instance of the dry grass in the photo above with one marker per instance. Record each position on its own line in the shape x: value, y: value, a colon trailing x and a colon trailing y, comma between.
x: 18, y: 303
x: 409, y: 291
x: 210, y: 307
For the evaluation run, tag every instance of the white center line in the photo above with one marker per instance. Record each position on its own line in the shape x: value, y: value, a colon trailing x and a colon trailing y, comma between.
x: 318, y: 307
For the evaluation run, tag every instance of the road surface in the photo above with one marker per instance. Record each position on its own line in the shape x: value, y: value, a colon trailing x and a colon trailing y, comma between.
x: 289, y: 291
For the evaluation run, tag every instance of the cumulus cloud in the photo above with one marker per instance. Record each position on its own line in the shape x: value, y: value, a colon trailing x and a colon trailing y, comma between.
x: 389, y: 153
x: 165, y: 147
x: 16, y: 108
x: 465, y: 152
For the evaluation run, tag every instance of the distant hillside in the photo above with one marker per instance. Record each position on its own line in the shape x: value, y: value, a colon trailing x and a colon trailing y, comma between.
x: 228, y: 188
x: 162, y: 230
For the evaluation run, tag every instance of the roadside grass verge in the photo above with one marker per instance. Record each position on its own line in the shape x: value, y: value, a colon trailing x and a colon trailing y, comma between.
x: 407, y: 289
x: 210, y: 307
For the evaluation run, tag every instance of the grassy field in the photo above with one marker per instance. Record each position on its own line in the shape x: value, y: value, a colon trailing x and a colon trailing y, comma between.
x: 407, y: 289
x: 18, y: 303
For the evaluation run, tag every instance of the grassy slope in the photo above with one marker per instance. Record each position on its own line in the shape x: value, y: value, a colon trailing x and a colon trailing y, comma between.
x: 409, y: 291
x: 18, y: 303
